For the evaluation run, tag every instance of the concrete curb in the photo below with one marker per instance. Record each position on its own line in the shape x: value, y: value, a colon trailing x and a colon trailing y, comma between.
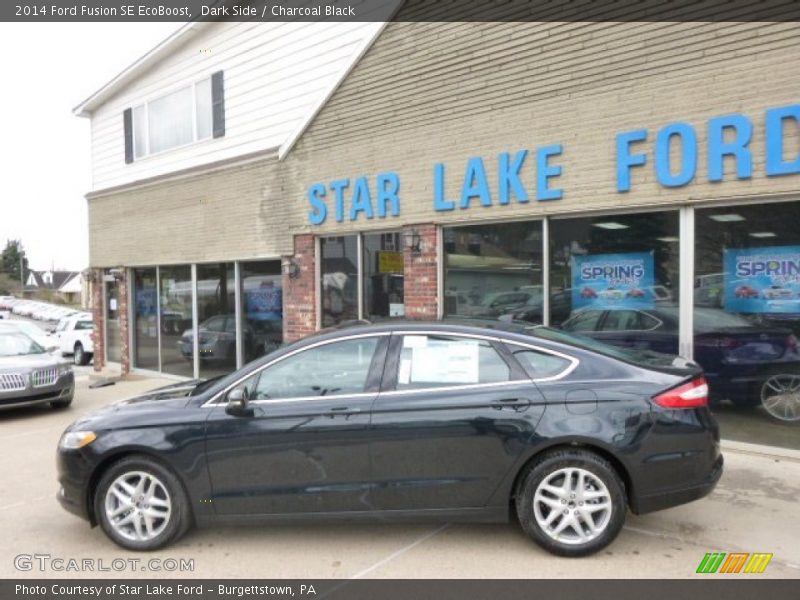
x: 760, y: 450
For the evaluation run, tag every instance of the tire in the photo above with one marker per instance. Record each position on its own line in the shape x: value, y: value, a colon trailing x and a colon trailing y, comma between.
x: 169, y: 518
x: 61, y: 404
x: 79, y: 357
x: 541, y: 511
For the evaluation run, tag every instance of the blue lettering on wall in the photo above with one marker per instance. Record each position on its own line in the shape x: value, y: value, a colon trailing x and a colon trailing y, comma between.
x: 316, y: 198
x: 775, y: 122
x: 508, y: 177
x: 626, y: 160
x: 361, y: 200
x: 742, y: 130
x: 338, y: 188
x: 687, y: 140
x: 475, y: 185
x: 440, y: 203
x: 388, y: 193
x: 545, y: 172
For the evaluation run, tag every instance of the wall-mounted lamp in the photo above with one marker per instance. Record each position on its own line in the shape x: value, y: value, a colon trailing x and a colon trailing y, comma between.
x: 89, y: 275
x: 413, y: 241
x: 290, y: 268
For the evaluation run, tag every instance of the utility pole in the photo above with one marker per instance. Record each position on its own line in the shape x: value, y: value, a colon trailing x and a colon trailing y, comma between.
x: 21, y: 276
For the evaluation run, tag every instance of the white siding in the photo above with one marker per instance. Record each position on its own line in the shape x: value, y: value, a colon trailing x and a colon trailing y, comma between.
x: 275, y: 73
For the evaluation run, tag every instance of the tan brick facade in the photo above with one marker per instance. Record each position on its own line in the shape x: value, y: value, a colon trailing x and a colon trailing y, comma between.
x: 429, y: 93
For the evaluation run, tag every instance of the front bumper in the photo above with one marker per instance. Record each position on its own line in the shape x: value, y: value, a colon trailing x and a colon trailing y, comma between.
x: 62, y: 390
x: 74, y: 472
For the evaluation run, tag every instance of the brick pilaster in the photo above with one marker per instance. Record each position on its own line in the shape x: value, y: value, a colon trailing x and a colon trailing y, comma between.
x: 124, y: 325
x: 421, y: 274
x: 299, y: 302
x: 98, y: 335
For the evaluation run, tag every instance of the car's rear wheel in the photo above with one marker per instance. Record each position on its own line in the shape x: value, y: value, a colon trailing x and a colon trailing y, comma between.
x: 780, y: 396
x: 79, y: 356
x: 141, y: 505
x: 571, y: 502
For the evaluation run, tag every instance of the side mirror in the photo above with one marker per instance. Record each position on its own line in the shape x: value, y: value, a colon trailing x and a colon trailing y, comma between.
x: 238, y: 406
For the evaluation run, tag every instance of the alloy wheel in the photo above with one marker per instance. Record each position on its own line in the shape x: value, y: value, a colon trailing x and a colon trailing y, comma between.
x: 138, y: 506
x: 572, y: 506
x: 780, y: 396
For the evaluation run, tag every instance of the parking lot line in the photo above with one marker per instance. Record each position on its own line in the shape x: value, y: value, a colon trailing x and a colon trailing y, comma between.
x: 401, y: 551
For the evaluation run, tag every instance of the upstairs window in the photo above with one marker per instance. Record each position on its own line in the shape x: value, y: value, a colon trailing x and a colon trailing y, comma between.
x: 186, y: 115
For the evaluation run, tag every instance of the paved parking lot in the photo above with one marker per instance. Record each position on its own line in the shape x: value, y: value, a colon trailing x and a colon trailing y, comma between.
x: 754, y: 509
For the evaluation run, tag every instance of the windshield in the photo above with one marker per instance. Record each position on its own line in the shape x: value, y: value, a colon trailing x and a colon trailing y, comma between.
x: 17, y: 344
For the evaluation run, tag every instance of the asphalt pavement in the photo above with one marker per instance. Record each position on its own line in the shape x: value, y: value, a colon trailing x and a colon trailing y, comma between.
x: 753, y: 509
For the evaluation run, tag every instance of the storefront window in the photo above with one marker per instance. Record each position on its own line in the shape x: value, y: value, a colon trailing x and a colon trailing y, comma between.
x: 494, y: 271
x: 339, y: 285
x: 262, y: 308
x: 747, y: 318
x: 615, y: 278
x: 383, y: 276
x: 216, y: 308
x: 175, y: 308
x: 145, y: 320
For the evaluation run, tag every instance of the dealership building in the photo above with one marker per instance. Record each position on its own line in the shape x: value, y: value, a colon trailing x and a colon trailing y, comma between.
x: 638, y: 183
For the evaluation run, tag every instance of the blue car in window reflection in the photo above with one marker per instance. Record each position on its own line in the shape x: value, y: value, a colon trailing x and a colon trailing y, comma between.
x: 738, y: 355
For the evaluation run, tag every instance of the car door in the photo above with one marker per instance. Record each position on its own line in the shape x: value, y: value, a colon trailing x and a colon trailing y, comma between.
x: 638, y: 330
x: 453, y: 416
x: 60, y: 334
x: 305, y: 447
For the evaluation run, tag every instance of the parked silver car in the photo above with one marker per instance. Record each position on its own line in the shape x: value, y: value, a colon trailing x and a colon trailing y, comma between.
x: 30, y: 375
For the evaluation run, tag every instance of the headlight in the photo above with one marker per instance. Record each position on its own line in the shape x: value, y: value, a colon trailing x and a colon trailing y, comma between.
x: 72, y: 440
x: 64, y: 369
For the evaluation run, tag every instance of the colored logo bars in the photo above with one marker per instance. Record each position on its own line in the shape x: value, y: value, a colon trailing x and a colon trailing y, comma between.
x: 735, y: 562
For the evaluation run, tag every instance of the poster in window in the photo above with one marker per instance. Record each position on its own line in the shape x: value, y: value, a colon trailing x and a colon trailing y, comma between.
x: 608, y: 281
x: 445, y: 362
x: 762, y: 280
x: 265, y: 302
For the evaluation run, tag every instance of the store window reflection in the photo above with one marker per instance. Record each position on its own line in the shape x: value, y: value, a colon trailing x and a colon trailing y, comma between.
x: 339, y: 285
x: 494, y: 271
x: 145, y: 317
x: 216, y: 316
x: 383, y: 276
x: 616, y: 278
x: 747, y: 318
x: 262, y: 308
x: 176, y: 318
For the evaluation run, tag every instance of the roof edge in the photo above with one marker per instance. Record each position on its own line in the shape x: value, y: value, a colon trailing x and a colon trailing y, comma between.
x: 135, y: 69
x: 361, y: 50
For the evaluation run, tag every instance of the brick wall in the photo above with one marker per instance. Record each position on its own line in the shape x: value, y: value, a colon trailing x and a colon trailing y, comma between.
x: 299, y: 303
x: 98, y: 335
x: 124, y: 324
x: 421, y: 273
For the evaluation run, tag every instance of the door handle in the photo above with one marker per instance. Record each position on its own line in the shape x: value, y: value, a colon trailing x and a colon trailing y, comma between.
x: 514, y: 403
x: 341, y: 411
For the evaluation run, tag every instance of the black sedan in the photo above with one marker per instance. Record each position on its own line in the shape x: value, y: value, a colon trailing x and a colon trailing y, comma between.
x: 404, y: 421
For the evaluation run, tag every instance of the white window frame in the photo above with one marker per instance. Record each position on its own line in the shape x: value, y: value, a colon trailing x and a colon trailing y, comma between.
x: 146, y: 105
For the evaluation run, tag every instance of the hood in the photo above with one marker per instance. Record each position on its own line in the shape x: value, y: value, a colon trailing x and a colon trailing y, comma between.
x: 181, y: 389
x: 30, y: 361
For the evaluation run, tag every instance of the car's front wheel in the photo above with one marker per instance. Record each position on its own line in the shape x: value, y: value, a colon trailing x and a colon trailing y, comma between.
x: 571, y: 502
x: 141, y: 505
x: 79, y: 355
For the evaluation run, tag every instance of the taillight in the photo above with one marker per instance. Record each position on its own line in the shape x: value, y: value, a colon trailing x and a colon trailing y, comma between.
x: 687, y: 395
x: 791, y: 342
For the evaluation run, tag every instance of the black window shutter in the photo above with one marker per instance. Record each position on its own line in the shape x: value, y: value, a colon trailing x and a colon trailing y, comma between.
x: 127, y: 119
x: 218, y: 103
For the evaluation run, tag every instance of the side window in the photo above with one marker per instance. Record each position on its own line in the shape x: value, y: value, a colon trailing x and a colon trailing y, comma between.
x: 84, y: 325
x: 215, y: 324
x: 62, y: 325
x: 436, y: 361
x: 539, y: 365
x: 584, y: 321
x: 622, y: 320
x: 334, y: 369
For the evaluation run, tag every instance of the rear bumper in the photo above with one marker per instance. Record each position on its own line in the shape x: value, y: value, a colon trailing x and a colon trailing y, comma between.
x: 680, y: 495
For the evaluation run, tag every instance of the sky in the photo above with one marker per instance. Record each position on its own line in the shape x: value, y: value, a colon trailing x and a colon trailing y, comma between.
x: 47, y: 70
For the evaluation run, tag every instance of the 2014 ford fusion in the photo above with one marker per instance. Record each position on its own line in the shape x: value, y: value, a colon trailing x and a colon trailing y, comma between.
x: 404, y: 421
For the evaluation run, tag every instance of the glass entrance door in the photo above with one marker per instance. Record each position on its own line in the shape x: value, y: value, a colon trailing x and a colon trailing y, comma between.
x: 113, y: 346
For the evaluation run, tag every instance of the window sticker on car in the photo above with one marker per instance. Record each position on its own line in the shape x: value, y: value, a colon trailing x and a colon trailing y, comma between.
x: 445, y: 361
x: 404, y: 375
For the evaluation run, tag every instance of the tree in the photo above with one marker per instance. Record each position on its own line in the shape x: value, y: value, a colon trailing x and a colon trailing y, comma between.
x: 10, y: 259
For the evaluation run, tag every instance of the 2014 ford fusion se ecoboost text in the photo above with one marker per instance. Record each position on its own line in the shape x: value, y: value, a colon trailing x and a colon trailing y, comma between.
x: 442, y: 421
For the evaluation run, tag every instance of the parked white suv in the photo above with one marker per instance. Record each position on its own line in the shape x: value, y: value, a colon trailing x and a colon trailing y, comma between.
x: 6, y: 302
x: 74, y: 334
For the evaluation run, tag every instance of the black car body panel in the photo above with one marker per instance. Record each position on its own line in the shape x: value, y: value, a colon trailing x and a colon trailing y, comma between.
x: 440, y: 453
